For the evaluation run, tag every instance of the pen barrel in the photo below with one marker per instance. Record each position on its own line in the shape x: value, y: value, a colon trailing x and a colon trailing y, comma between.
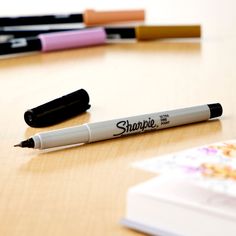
x: 161, y: 32
x: 61, y: 137
x: 41, y: 20
x: 149, y: 122
x: 126, y: 126
x: 92, y: 17
x: 72, y: 39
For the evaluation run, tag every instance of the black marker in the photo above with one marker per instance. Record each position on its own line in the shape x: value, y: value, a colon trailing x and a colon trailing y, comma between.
x: 89, y: 17
x: 112, y: 32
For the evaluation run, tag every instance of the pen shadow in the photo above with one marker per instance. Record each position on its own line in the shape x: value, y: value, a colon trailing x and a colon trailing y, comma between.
x: 124, y: 150
x: 38, y: 58
x: 77, y: 120
x: 165, y: 46
x: 99, y: 52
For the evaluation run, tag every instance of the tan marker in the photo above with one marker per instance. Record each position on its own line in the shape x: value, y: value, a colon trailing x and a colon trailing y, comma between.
x: 92, y: 17
x: 162, y: 32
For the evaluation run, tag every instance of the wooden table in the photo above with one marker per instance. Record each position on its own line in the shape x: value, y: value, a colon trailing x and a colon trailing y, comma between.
x: 82, y: 190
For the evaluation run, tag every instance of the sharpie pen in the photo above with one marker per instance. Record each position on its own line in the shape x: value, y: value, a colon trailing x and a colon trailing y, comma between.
x: 89, y: 17
x: 94, y: 36
x: 116, y: 128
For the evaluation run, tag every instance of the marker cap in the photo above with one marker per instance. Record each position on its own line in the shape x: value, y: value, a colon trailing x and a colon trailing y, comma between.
x: 58, y: 110
x: 159, y: 32
x: 92, y: 17
x: 72, y: 39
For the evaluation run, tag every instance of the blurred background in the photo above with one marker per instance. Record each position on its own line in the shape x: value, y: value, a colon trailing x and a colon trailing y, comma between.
x: 210, y: 13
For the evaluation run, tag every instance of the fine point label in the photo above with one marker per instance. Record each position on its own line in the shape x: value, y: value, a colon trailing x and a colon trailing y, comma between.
x: 164, y: 119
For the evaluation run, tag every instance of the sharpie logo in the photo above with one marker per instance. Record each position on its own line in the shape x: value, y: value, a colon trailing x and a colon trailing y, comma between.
x: 126, y: 127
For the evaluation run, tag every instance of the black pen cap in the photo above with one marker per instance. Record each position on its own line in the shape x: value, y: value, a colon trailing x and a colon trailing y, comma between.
x: 58, y: 110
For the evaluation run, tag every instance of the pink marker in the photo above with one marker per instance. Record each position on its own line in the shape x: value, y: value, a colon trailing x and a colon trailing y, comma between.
x: 55, y: 41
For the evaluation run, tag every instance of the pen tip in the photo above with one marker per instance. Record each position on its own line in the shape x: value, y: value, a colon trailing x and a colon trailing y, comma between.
x: 18, y: 145
x: 27, y: 143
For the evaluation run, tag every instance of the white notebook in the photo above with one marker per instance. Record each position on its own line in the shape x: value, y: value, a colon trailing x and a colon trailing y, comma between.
x: 194, y: 194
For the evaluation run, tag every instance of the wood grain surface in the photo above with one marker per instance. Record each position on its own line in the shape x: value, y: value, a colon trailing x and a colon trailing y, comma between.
x: 82, y: 190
